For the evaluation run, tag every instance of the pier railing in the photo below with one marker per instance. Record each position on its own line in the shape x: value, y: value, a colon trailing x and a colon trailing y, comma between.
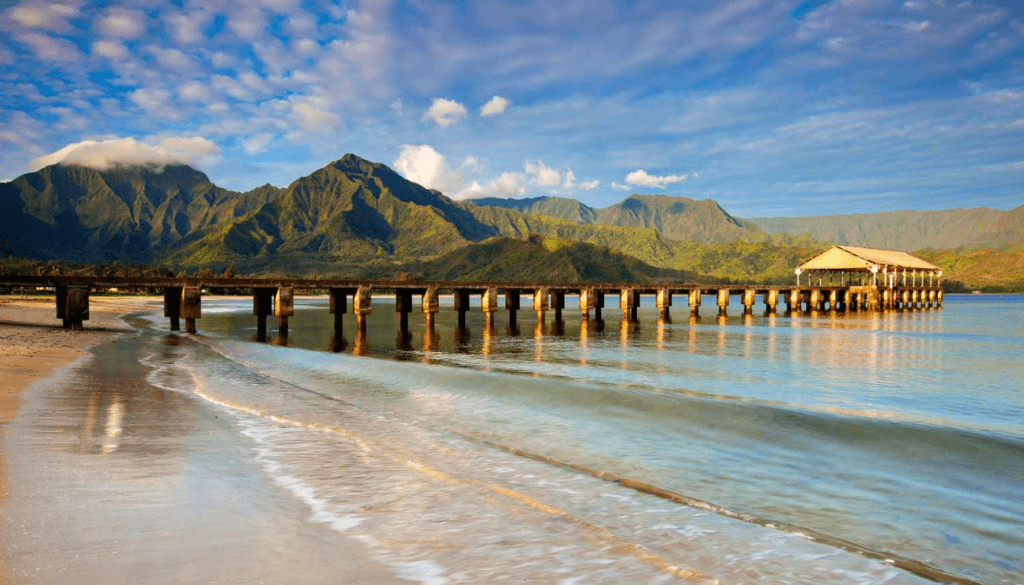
x: 275, y: 296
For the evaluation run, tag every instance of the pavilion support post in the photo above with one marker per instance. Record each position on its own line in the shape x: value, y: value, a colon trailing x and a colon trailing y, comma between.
x: 723, y: 301
x: 172, y: 306
x: 191, y: 306
x: 362, y: 305
x: 833, y: 300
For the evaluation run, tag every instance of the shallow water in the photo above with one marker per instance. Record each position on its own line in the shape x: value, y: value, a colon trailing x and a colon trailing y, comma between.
x: 803, y: 449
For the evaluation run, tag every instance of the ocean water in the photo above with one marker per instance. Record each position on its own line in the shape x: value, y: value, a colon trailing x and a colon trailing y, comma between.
x: 821, y: 448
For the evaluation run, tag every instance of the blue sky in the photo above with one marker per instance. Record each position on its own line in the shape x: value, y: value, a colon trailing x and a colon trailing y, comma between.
x: 769, y: 107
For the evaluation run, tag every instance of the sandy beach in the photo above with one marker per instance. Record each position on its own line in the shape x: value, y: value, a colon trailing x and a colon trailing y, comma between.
x: 107, y: 478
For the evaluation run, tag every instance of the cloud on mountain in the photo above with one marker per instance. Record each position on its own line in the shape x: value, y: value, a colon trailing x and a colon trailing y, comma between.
x: 106, y: 154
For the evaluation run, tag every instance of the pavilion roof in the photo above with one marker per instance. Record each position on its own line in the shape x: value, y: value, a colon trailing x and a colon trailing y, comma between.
x: 854, y: 258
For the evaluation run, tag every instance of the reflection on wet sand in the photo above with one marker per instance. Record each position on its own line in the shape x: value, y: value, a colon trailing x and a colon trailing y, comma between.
x: 114, y: 479
x: 112, y: 430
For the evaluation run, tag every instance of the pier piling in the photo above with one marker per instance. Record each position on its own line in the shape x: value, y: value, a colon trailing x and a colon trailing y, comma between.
x: 749, y: 296
x: 512, y: 305
x: 172, y: 306
x: 362, y: 305
x: 771, y: 301
x: 431, y: 306
x: 693, y: 300
x: 339, y: 306
x: 403, y: 306
x: 284, y: 307
x: 663, y: 300
x: 723, y: 301
x: 191, y: 306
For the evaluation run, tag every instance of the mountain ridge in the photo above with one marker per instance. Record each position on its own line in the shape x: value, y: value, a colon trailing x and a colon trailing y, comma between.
x: 359, y: 217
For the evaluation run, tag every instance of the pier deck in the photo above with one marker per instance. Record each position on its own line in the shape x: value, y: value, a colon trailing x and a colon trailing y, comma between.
x: 274, y: 296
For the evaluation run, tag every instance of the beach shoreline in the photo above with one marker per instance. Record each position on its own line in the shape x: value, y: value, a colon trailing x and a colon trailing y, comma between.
x: 106, y: 477
x: 34, y: 343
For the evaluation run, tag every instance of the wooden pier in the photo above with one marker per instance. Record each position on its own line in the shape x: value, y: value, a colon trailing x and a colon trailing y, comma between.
x: 183, y: 298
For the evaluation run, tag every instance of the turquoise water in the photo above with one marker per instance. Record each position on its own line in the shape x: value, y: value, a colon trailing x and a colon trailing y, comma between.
x: 862, y: 448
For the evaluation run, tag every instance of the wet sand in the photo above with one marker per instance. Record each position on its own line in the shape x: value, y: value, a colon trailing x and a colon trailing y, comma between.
x: 107, y: 478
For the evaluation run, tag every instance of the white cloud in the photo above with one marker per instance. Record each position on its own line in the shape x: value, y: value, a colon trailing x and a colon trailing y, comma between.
x: 542, y: 175
x: 445, y: 112
x: 257, y: 143
x: 640, y: 177
x: 49, y: 48
x: 187, y: 29
x: 194, y: 91
x: 111, y: 50
x: 106, y: 154
x: 621, y: 187
x: 495, y: 106
x: 153, y: 101
x: 424, y: 165
x: 41, y: 15
x: 311, y: 115
x: 174, y: 59
x: 122, y: 23
x: 248, y: 22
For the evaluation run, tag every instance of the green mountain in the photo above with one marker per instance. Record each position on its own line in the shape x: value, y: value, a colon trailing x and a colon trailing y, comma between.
x: 543, y: 259
x: 908, y: 230
x: 355, y: 218
x: 558, y: 207
x: 351, y: 211
x: 124, y: 213
x: 676, y: 218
